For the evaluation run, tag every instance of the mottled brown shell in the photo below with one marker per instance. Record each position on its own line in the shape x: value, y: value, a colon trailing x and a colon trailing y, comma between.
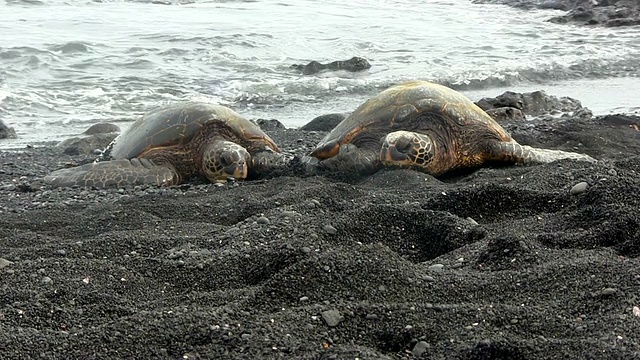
x: 392, y: 110
x: 177, y: 124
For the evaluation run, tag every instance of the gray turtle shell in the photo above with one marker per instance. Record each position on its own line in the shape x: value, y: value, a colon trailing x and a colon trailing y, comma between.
x: 392, y: 110
x: 177, y: 124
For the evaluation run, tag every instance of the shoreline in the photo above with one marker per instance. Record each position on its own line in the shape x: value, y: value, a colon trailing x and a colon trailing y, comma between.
x: 598, y: 101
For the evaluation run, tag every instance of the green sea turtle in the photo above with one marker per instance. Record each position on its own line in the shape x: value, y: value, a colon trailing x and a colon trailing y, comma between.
x: 424, y: 126
x: 176, y: 142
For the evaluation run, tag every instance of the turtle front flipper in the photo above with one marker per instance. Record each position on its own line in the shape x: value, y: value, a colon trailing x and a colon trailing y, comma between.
x: 523, y: 154
x: 350, y: 159
x: 266, y: 162
x: 115, y: 173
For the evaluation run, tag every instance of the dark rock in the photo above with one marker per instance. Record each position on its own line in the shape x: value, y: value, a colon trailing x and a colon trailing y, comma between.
x: 102, y: 128
x: 526, y: 4
x: 586, y: 12
x: 269, y: 124
x: 532, y: 103
x: 96, y: 137
x: 7, y: 132
x: 324, y: 122
x: 630, y: 121
x: 354, y: 64
x: 555, y: 5
x: 85, y: 145
x: 506, y: 114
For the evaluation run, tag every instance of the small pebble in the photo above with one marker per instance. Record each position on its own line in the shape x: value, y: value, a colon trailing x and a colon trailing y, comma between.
x: 371, y: 317
x: 46, y: 280
x: 332, y: 317
x: 420, y: 348
x: 329, y: 229
x: 578, y: 188
x: 288, y: 213
x: 608, y: 291
x: 61, y: 252
x: 4, y: 263
x: 304, y: 298
x: 262, y: 220
x: 428, y: 278
x: 436, y: 267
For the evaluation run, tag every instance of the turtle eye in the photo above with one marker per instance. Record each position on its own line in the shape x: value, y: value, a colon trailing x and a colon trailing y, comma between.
x: 403, y: 145
x: 225, y: 160
x: 403, y: 114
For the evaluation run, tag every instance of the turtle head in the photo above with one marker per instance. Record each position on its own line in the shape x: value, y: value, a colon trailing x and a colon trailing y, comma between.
x: 407, y: 149
x: 224, y: 159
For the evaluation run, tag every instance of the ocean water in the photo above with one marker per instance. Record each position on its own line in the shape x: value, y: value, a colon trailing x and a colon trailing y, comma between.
x: 65, y: 65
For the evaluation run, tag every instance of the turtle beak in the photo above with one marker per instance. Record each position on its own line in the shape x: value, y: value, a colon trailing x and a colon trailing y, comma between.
x: 326, y: 151
x: 390, y: 154
x: 237, y: 170
x: 398, y: 149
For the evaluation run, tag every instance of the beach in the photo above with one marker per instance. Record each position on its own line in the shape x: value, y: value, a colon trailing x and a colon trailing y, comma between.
x: 516, y: 262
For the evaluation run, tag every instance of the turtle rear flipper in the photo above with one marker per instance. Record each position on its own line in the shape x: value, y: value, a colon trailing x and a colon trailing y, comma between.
x: 523, y: 154
x: 114, y: 173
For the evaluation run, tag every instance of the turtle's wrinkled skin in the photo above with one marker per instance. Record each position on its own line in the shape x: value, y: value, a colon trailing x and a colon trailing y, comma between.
x: 176, y: 142
x: 424, y: 126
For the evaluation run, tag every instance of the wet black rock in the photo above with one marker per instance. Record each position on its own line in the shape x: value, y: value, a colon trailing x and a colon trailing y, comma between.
x: 631, y: 121
x: 506, y: 113
x: 102, y: 128
x: 531, y: 103
x: 7, y: 132
x: 610, y: 13
x: 324, y: 122
x: 354, y: 64
x: 92, y: 140
x: 269, y: 124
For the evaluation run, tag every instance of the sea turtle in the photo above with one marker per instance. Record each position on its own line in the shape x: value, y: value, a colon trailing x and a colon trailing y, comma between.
x: 424, y: 126
x: 176, y: 142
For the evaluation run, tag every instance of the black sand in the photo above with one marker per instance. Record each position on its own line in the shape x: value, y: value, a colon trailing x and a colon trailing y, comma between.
x: 503, y: 263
